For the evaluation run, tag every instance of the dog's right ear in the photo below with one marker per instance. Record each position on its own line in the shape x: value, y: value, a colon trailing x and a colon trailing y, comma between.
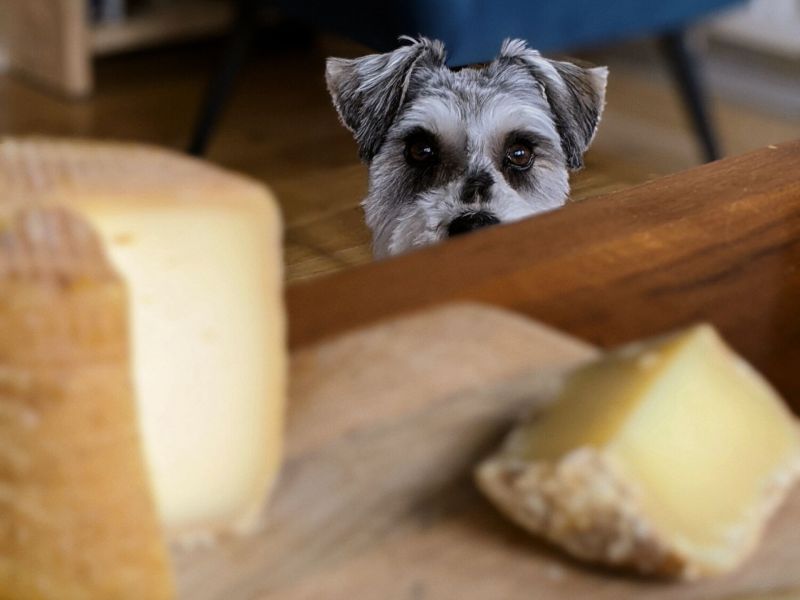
x: 369, y: 91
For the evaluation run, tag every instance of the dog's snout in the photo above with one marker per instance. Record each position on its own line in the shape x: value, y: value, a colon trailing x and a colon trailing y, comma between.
x: 476, y: 187
x: 470, y: 222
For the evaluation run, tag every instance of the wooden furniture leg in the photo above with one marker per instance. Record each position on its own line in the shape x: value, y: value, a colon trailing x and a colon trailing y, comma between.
x: 48, y: 43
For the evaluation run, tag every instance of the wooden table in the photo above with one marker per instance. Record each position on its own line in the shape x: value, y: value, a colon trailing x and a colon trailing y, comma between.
x: 719, y: 243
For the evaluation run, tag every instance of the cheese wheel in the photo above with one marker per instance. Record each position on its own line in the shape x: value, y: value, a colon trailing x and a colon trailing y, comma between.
x: 187, y: 262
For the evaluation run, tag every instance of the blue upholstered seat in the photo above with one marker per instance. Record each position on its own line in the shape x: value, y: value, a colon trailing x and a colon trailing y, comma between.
x: 473, y: 29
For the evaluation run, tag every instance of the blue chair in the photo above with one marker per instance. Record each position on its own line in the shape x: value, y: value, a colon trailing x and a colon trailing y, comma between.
x: 473, y: 30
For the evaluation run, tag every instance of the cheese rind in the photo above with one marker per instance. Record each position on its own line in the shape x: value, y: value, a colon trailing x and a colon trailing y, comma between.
x: 667, y: 457
x: 77, y: 519
x: 199, y: 252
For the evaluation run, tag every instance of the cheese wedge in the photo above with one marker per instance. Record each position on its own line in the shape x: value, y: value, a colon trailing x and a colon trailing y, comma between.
x: 199, y: 252
x: 77, y: 519
x: 667, y: 457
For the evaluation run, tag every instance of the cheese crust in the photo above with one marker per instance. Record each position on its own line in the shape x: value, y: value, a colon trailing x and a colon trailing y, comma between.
x: 585, y: 505
x: 77, y: 519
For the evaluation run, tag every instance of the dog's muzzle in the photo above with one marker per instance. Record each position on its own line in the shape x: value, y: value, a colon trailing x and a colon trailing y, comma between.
x: 470, y: 222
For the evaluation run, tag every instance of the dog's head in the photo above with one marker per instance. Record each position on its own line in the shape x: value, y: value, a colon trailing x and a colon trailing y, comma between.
x: 450, y: 151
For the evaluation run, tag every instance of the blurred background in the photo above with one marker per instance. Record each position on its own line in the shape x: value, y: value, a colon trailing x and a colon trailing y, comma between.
x: 241, y: 83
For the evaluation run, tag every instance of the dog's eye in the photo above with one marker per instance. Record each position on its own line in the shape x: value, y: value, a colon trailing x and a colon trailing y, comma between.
x: 519, y: 156
x: 420, y: 151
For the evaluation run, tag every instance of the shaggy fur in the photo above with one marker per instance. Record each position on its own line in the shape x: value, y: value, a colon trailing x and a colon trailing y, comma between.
x: 468, y: 123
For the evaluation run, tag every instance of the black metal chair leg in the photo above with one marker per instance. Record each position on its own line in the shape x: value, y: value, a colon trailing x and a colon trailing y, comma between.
x: 685, y: 71
x: 221, y: 84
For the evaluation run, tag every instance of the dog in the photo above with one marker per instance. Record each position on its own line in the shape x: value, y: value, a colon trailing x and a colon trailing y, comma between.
x: 453, y: 150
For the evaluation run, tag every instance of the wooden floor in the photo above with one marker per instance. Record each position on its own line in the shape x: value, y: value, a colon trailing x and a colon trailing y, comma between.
x: 281, y: 128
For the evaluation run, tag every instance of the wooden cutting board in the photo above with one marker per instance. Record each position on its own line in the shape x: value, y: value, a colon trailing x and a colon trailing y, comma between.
x: 376, y: 499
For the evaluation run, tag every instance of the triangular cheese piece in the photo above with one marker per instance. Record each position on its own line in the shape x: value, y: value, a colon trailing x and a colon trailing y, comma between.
x: 666, y: 456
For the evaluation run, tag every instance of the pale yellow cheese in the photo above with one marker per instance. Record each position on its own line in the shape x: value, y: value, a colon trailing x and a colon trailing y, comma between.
x: 208, y: 352
x: 199, y: 250
x: 666, y: 456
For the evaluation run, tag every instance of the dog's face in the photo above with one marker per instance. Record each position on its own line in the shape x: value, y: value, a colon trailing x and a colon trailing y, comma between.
x: 451, y: 151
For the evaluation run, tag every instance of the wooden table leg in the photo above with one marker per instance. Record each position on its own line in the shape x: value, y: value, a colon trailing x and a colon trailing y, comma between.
x: 48, y: 43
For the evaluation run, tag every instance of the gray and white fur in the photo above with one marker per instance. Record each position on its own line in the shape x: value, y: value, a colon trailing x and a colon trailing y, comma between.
x: 450, y: 151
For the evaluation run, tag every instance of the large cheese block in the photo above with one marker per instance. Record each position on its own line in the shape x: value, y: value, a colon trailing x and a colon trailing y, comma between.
x: 667, y: 457
x: 199, y: 252
x: 77, y: 518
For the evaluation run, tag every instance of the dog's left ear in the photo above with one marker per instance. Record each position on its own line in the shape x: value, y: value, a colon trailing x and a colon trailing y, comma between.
x: 369, y: 91
x: 576, y: 96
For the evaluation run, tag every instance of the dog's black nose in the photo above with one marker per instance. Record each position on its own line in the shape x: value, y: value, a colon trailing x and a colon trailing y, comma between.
x: 470, y: 222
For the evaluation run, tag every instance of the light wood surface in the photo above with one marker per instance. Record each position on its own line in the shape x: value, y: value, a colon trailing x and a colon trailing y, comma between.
x: 48, y: 43
x: 719, y: 243
x: 376, y: 500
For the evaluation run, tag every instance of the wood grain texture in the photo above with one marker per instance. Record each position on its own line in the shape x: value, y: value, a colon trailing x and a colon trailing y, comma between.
x: 376, y: 500
x: 719, y: 243
x: 282, y: 129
